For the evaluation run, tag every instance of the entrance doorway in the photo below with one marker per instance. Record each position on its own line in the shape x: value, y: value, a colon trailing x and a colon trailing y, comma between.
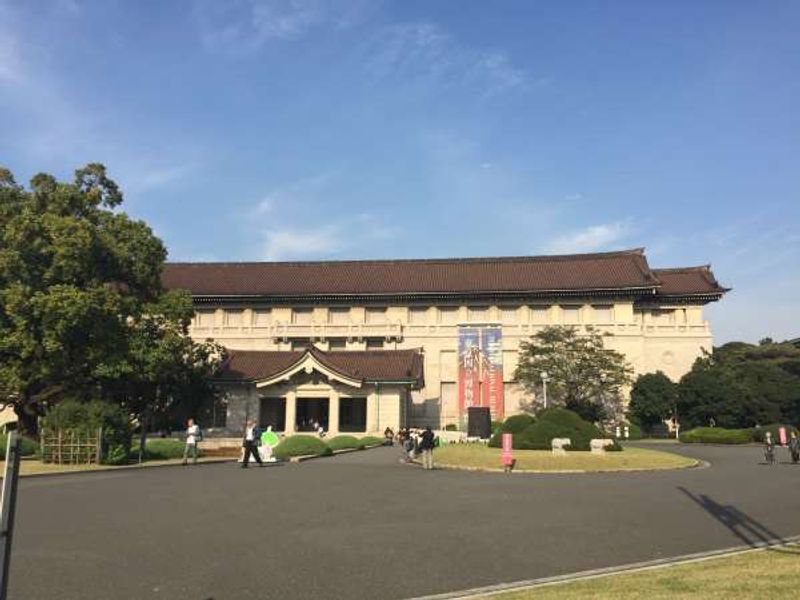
x: 353, y: 414
x: 311, y: 413
x: 273, y: 412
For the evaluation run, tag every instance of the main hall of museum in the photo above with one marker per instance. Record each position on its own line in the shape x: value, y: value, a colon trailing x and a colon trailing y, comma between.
x: 358, y: 346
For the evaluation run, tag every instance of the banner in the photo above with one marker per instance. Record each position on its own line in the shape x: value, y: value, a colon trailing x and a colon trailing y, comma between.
x: 480, y: 369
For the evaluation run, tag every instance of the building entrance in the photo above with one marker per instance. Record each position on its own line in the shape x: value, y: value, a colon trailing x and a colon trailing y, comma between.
x: 311, y: 413
x: 353, y: 414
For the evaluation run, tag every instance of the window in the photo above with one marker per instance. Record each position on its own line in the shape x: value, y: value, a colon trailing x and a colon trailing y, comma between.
x: 603, y: 314
x: 337, y: 344
x: 374, y: 343
x: 233, y: 318
x: 478, y: 314
x: 508, y: 314
x: 418, y: 315
x: 205, y: 318
x: 352, y: 414
x: 570, y: 314
x: 663, y: 317
x: 538, y: 314
x: 262, y: 317
x: 301, y: 344
x: 339, y: 316
x: 376, y: 315
x: 448, y: 315
x: 302, y: 316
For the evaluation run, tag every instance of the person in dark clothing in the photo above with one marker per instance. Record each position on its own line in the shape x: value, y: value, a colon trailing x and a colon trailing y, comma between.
x: 794, y: 447
x: 426, y: 444
x: 250, y: 443
x: 769, y: 448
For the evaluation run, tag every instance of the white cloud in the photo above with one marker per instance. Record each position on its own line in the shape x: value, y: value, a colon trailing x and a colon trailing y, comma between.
x: 425, y: 53
x: 589, y: 239
x: 283, y: 244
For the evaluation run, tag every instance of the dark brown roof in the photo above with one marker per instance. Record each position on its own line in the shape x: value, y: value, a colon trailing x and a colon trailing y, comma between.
x: 688, y: 281
x: 603, y: 271
x: 371, y: 365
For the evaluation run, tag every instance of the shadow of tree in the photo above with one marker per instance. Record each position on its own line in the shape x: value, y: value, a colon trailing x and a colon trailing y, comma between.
x: 752, y: 532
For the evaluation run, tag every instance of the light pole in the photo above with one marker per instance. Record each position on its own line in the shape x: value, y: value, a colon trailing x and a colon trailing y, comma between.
x: 545, y: 378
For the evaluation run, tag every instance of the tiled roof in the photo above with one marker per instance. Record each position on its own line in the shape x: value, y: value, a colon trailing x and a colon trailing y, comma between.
x: 687, y: 281
x: 371, y: 365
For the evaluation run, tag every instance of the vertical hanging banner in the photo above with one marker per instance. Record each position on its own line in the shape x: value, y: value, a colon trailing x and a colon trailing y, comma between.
x: 480, y: 369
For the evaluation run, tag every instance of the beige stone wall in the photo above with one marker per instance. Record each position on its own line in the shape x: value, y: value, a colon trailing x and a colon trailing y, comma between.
x: 666, y: 338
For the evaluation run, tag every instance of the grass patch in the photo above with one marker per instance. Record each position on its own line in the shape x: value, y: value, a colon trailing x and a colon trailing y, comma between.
x: 301, y: 445
x: 755, y: 574
x: 368, y: 441
x: 716, y: 435
x: 344, y: 442
x: 479, y: 456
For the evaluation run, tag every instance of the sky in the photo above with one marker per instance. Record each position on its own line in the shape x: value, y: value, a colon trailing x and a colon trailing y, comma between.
x: 314, y: 129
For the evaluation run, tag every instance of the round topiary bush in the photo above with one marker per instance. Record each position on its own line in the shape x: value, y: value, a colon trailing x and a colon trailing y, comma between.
x: 716, y: 435
x: 514, y: 424
x: 758, y: 432
x: 343, y: 442
x: 301, y: 445
x: 562, y: 423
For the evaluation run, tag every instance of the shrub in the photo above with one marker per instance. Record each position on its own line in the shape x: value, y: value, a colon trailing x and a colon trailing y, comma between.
x: 757, y: 433
x: 28, y: 447
x: 496, y: 426
x: 88, y: 417
x: 552, y: 423
x: 634, y: 431
x: 161, y: 449
x: 368, y: 441
x: 716, y: 435
x: 517, y: 423
x: 301, y: 445
x: 343, y: 442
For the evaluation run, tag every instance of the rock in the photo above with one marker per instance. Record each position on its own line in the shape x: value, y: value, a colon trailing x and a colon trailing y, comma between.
x: 598, y: 445
x: 558, y: 446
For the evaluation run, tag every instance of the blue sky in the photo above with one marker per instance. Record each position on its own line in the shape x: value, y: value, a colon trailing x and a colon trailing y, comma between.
x: 308, y: 129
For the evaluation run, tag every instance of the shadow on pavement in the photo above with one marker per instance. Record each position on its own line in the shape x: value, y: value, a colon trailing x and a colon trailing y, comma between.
x: 751, y: 532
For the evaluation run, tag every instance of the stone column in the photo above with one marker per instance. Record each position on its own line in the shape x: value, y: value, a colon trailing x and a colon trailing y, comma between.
x: 372, y: 411
x: 291, y: 412
x: 333, y: 413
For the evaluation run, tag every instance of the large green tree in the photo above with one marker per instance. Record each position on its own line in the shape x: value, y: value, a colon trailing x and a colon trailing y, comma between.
x: 79, y: 289
x: 653, y: 399
x: 584, y: 375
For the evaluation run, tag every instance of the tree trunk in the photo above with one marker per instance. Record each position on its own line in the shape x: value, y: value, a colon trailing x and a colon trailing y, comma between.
x: 27, y: 418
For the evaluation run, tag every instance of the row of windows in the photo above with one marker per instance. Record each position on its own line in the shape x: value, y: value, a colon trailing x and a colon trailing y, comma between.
x: 445, y: 315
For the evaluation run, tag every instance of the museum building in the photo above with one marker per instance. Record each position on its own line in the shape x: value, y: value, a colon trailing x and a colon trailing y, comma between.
x: 358, y: 346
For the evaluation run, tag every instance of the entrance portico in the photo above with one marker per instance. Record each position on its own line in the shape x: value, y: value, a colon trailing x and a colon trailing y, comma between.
x: 353, y: 392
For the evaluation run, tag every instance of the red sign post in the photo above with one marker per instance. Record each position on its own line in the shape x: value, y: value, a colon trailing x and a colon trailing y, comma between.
x: 508, y: 457
x: 782, y: 435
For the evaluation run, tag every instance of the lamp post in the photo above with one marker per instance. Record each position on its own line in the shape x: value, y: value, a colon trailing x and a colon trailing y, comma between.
x: 545, y: 378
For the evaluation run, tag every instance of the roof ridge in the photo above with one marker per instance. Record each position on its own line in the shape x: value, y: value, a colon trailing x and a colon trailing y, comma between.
x: 706, y: 267
x: 445, y: 260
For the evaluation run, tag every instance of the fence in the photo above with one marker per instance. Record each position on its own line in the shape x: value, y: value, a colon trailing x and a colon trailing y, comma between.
x: 71, y: 447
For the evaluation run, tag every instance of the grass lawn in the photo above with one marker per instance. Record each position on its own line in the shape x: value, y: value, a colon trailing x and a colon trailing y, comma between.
x: 35, y: 467
x: 771, y: 573
x: 478, y: 456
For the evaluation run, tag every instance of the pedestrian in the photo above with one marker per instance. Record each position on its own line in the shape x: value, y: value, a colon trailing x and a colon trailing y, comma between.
x: 426, y: 444
x: 250, y: 443
x: 794, y: 447
x: 769, y: 448
x: 193, y: 437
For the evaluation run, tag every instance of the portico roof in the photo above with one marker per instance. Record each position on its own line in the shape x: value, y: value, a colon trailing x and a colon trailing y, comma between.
x: 352, y: 368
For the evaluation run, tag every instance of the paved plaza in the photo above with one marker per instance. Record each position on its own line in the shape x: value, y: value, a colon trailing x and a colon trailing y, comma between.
x: 363, y: 525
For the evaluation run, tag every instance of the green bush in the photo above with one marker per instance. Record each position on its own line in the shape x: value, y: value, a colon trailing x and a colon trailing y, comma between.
x: 301, y: 445
x: 161, y: 449
x: 87, y: 418
x: 716, y: 435
x: 368, y: 441
x: 496, y: 426
x: 343, y: 442
x: 757, y: 433
x: 550, y: 423
x: 517, y: 423
x: 28, y: 447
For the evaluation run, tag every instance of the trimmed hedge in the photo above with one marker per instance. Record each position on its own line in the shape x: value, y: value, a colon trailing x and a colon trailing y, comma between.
x: 550, y: 423
x: 161, y: 449
x: 517, y: 423
x: 758, y: 432
x: 28, y: 447
x: 344, y: 442
x: 301, y: 445
x: 716, y: 435
x: 368, y: 441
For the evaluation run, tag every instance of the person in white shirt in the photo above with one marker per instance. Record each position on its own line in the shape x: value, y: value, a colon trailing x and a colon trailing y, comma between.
x: 250, y: 443
x: 193, y: 437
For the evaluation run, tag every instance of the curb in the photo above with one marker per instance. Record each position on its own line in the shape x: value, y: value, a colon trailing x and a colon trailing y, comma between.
x: 113, y: 469
x: 305, y: 457
x: 650, y: 565
x: 698, y: 464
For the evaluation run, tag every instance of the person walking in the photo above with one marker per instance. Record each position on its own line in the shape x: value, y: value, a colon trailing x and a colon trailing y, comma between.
x: 794, y: 447
x: 426, y: 444
x: 193, y: 437
x: 769, y: 448
x: 250, y: 443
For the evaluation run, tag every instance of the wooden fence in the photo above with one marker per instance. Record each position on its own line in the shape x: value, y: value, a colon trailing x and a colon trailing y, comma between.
x: 71, y: 447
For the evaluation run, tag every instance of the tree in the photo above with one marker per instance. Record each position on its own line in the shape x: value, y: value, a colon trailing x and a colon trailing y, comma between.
x: 79, y: 281
x: 584, y: 375
x: 653, y: 399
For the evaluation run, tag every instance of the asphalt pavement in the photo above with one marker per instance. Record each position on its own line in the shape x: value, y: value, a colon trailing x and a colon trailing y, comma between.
x: 362, y: 525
